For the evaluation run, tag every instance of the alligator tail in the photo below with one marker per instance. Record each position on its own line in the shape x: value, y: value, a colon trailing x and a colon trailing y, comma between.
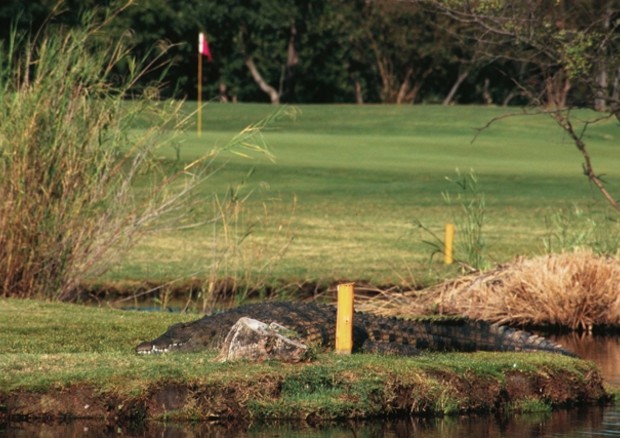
x: 463, y: 334
x: 457, y: 334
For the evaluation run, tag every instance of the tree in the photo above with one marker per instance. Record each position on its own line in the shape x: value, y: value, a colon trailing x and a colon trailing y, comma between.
x: 260, y: 37
x: 559, y: 54
x: 399, y: 40
x: 565, y: 46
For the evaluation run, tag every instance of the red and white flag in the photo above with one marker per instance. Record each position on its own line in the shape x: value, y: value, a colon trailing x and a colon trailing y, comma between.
x: 203, y: 46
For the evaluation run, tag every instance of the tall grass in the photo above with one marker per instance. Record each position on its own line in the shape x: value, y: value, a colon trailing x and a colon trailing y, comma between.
x: 469, y: 219
x: 68, y: 159
x: 71, y: 156
x: 572, y: 229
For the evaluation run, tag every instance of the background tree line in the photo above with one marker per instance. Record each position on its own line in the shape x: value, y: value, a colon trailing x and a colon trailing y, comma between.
x: 561, y: 52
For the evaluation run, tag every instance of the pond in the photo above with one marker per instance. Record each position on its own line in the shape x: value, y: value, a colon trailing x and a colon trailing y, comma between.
x: 590, y: 422
x: 584, y: 422
x: 603, y: 350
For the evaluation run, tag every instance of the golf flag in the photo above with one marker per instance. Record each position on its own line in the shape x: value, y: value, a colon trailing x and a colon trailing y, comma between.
x: 203, y: 47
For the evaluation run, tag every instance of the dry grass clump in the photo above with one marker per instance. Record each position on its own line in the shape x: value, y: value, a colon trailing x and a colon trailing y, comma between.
x: 575, y: 290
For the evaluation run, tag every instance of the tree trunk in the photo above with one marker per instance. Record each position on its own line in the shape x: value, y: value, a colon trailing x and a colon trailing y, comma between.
x: 602, y: 78
x: 462, y: 76
x: 413, y: 94
x: 557, y: 88
x: 258, y: 78
x: 387, y: 89
x: 511, y: 96
x: 359, y: 95
x: 486, y: 92
x: 404, y: 86
x: 417, y: 85
x: 223, y: 92
x: 600, y: 100
x: 287, y: 88
x: 615, y: 92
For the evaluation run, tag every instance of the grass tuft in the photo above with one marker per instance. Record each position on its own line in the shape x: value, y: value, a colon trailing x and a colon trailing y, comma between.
x: 577, y: 290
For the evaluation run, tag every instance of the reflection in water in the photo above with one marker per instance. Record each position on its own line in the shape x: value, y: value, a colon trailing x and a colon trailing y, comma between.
x: 587, y: 422
x: 603, y: 350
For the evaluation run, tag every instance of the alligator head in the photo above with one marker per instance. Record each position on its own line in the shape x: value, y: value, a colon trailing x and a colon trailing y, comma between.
x: 176, y: 338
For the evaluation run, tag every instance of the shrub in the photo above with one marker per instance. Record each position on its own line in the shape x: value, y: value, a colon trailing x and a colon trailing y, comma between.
x: 71, y: 152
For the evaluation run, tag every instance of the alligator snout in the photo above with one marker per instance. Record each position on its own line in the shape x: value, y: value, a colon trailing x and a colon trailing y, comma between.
x: 152, y: 348
x: 148, y: 348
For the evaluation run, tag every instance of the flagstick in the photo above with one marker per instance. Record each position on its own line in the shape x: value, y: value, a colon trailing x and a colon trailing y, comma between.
x: 199, y: 124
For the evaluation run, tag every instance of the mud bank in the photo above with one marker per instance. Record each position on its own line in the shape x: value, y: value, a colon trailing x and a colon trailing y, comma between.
x: 329, y: 390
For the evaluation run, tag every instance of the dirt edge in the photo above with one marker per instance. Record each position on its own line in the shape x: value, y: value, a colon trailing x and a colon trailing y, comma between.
x: 244, y: 402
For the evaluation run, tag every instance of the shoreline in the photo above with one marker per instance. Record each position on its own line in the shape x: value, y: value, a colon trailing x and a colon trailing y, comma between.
x: 332, y: 388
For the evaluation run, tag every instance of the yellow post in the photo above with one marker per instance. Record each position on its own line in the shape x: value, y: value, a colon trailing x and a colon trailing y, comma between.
x: 449, y: 244
x: 344, y: 319
x: 199, y: 114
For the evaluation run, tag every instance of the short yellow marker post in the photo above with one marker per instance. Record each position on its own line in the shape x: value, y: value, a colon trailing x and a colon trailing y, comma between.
x: 344, y: 319
x: 449, y: 244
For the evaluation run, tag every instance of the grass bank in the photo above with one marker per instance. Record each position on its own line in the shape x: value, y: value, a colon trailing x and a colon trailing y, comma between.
x: 350, y: 185
x: 70, y: 361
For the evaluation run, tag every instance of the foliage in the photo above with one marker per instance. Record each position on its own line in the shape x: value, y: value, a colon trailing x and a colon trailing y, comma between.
x: 71, y: 157
x: 404, y: 60
x: 565, y: 47
x: 380, y: 51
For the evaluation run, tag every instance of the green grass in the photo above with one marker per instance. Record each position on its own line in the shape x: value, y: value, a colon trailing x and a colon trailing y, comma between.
x: 349, y: 184
x: 57, y: 347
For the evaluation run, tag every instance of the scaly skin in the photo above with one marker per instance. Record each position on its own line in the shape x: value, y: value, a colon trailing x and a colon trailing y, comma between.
x: 316, y: 326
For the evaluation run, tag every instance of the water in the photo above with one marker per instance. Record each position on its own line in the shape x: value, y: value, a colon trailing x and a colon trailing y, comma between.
x: 604, y: 350
x: 583, y: 422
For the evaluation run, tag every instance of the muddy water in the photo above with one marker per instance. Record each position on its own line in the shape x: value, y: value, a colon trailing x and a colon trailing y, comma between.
x: 604, y: 350
x: 591, y: 422
x: 587, y: 422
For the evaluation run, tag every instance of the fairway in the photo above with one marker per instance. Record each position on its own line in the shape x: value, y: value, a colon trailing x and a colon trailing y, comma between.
x: 349, y: 184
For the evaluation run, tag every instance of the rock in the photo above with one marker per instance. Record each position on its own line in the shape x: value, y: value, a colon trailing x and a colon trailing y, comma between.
x: 254, y: 340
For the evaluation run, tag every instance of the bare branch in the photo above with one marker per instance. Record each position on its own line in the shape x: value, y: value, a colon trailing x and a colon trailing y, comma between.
x: 564, y: 122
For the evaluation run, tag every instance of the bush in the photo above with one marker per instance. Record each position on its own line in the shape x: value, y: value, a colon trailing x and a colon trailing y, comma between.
x: 70, y: 155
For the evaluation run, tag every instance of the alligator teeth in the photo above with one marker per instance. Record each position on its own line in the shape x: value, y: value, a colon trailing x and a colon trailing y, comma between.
x: 154, y: 349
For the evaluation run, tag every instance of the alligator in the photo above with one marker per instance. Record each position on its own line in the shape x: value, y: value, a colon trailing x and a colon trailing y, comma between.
x: 316, y: 326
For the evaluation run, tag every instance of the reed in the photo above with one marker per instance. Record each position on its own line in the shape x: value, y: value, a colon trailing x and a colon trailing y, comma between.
x: 81, y: 179
x: 67, y: 157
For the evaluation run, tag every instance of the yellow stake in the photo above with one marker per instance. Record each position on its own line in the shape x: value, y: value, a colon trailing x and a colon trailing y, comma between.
x: 344, y: 320
x: 449, y: 243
